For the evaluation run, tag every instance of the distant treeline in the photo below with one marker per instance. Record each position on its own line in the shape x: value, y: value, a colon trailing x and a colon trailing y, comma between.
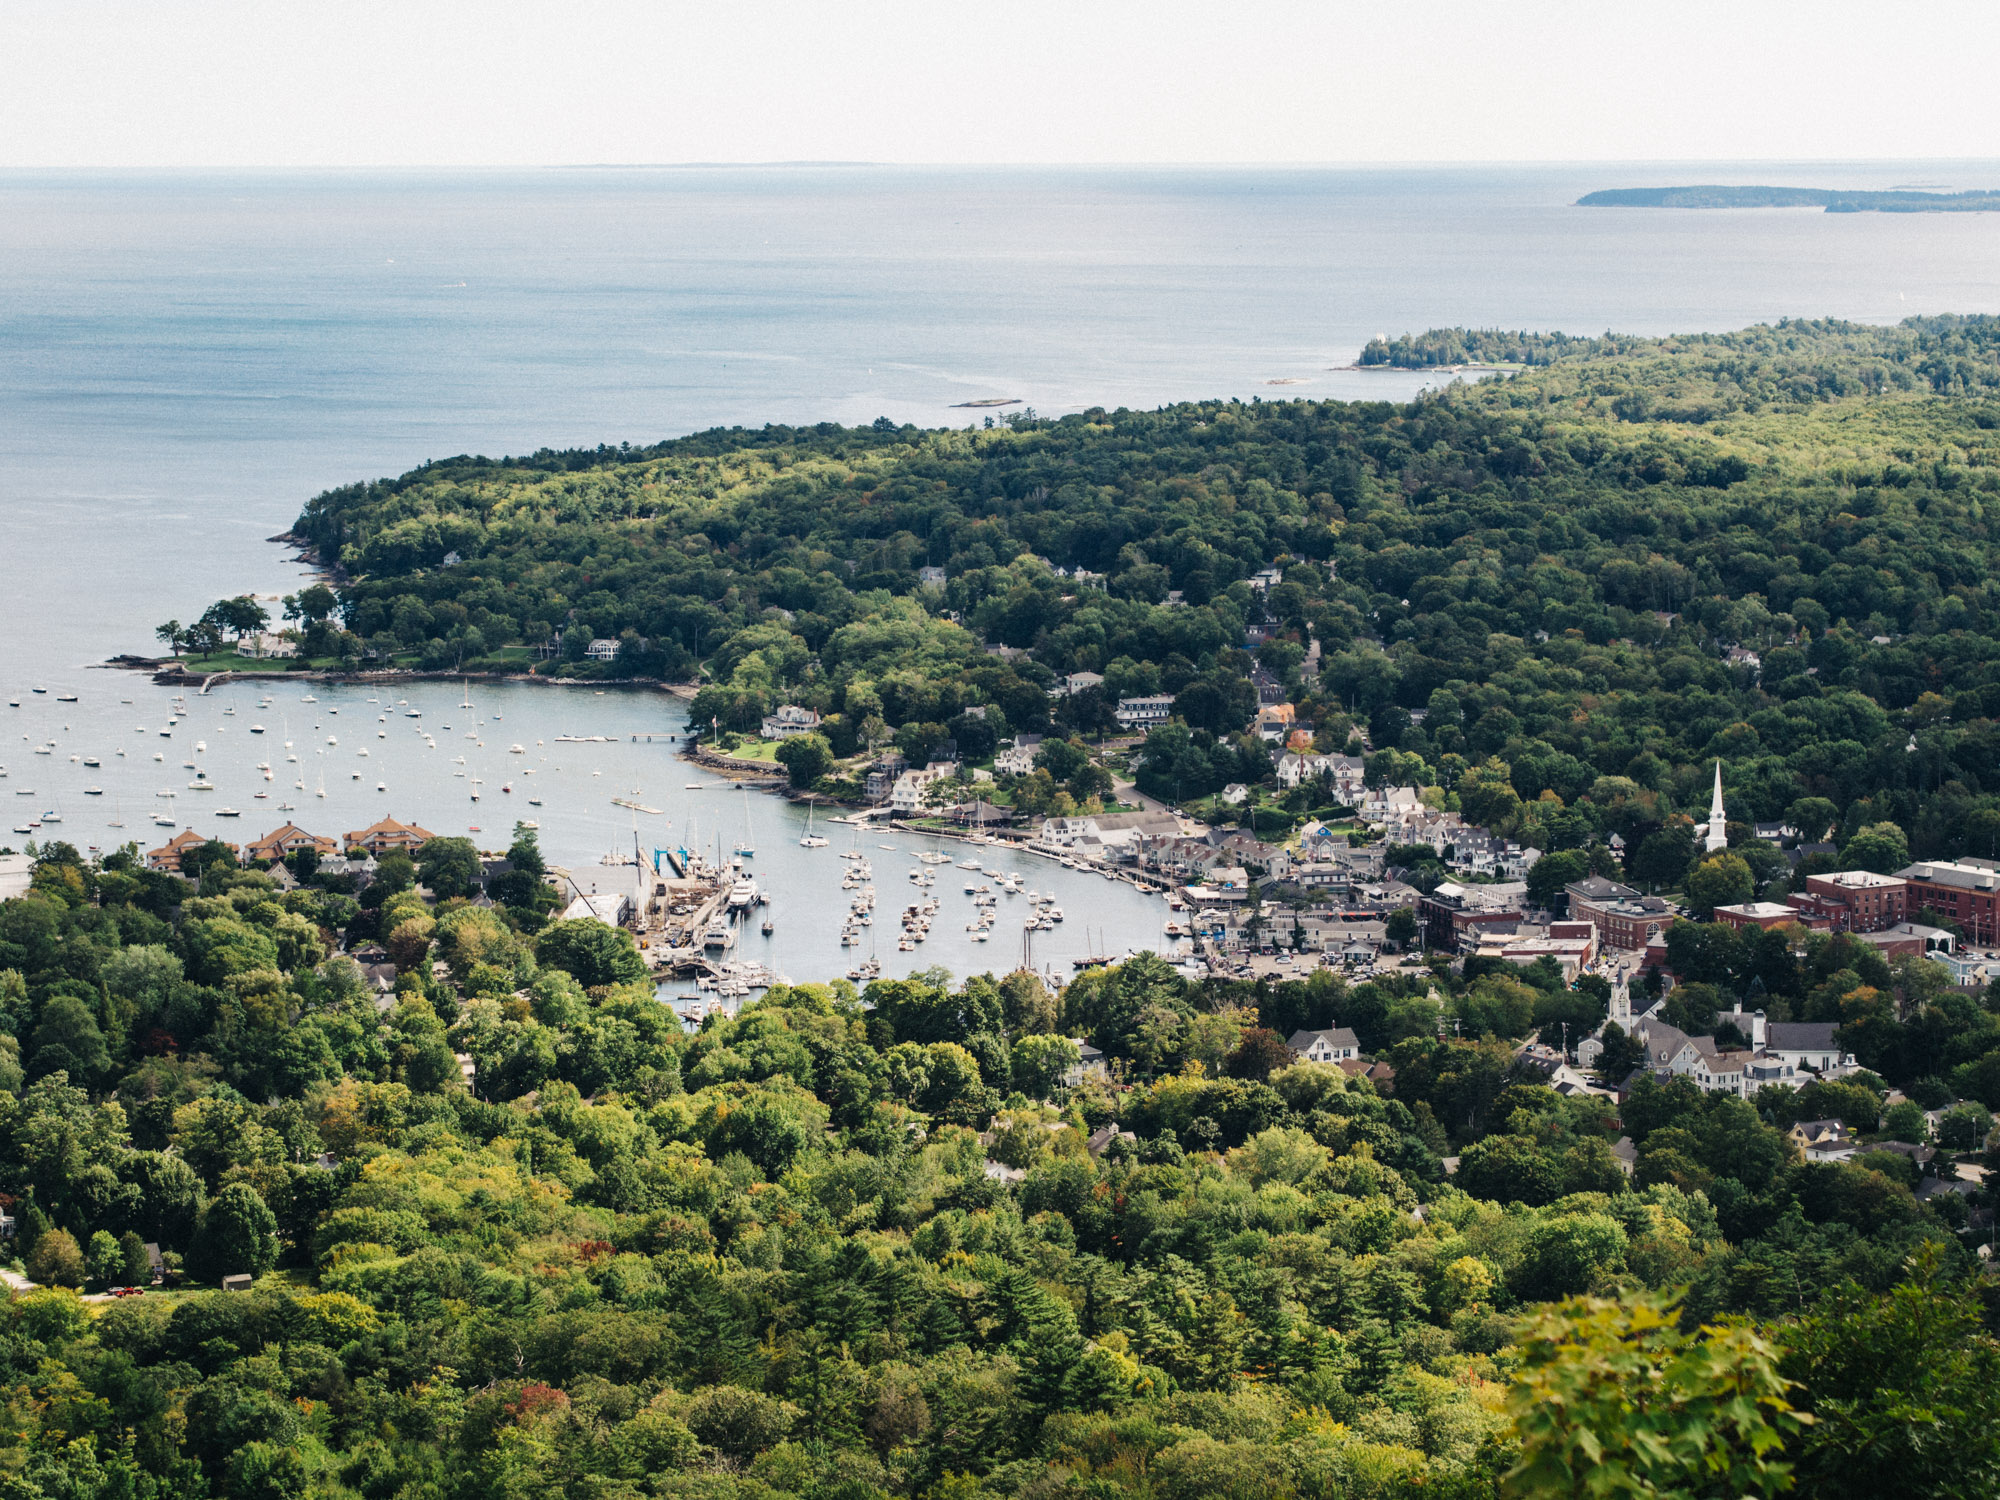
x: 1496, y: 346
x: 1833, y: 200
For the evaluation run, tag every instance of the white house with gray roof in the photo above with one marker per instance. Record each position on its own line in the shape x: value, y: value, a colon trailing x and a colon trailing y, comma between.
x: 1337, y: 1044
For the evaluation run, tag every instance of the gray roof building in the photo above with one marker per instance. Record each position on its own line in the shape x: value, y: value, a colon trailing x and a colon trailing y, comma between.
x: 1801, y: 1036
x: 1335, y: 1044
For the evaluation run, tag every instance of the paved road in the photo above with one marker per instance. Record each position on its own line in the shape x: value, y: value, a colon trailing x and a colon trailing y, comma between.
x: 16, y: 1282
x: 1127, y: 791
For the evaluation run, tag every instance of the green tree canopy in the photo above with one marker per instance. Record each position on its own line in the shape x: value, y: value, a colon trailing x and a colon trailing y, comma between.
x: 595, y: 954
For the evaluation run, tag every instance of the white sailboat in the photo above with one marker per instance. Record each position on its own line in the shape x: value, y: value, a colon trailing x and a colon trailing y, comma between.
x: 746, y: 849
x: 811, y: 840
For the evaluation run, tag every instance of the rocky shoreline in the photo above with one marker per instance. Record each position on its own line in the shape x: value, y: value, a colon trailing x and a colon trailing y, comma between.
x: 170, y: 673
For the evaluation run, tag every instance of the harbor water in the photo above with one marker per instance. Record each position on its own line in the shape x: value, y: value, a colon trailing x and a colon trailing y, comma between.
x: 568, y: 759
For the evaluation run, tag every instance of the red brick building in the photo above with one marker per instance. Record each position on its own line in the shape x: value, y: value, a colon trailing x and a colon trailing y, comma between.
x: 1966, y: 890
x: 1452, y: 917
x: 1821, y: 913
x: 1858, y: 900
x: 1634, y: 925
x: 1591, y: 895
x: 1909, y: 941
x: 1623, y: 918
x: 1764, y: 914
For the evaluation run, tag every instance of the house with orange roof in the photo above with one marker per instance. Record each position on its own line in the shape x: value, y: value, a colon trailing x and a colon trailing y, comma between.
x: 169, y: 855
x: 389, y: 837
x: 280, y: 842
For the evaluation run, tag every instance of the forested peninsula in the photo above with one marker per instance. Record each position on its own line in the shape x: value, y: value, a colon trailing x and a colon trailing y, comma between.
x: 1552, y: 570
x: 508, y: 1230
x: 1833, y: 200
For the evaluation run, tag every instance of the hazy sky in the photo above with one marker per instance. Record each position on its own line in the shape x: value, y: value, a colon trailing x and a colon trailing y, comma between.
x: 469, y: 82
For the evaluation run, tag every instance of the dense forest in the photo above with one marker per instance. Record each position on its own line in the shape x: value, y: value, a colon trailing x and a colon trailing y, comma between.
x: 1551, y: 569
x: 845, y: 1247
x: 1436, y: 347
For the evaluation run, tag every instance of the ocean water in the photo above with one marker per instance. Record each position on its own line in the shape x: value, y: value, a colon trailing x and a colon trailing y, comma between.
x: 188, y: 357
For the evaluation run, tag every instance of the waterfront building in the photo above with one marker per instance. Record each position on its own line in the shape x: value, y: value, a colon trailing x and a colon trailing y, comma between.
x: 388, y: 837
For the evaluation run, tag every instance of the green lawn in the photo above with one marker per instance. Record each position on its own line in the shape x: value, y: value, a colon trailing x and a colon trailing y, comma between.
x: 172, y: 1296
x: 221, y: 661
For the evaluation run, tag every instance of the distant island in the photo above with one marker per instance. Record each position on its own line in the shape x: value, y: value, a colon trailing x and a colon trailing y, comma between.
x: 1485, y: 348
x: 1832, y: 200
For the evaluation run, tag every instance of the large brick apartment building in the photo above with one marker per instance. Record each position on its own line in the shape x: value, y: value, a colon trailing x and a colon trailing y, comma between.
x: 1623, y: 918
x: 1453, y: 916
x: 1965, y: 890
x: 1855, y: 900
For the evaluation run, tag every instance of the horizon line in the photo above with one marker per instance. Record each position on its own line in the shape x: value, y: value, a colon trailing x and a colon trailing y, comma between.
x: 811, y: 163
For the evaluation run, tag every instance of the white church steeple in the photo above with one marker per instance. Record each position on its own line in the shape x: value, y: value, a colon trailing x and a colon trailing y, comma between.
x: 1718, y: 832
